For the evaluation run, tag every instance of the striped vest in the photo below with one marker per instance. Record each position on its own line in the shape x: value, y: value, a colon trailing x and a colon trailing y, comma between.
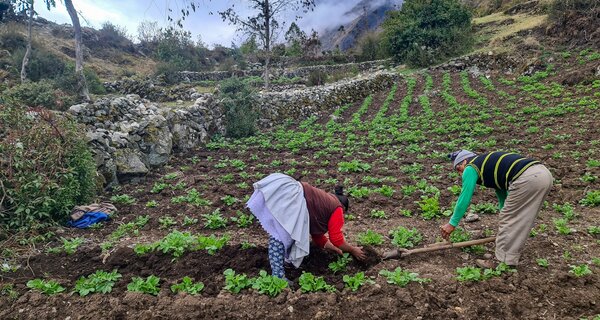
x: 497, y: 169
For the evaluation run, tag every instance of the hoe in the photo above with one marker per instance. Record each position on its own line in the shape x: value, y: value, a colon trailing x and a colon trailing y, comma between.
x: 401, y: 253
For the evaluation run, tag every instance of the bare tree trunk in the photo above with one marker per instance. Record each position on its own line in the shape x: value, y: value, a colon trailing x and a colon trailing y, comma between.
x: 82, y: 88
x: 28, y: 52
x: 267, y: 13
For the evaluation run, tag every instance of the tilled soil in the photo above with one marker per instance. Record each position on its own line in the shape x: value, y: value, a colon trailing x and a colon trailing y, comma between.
x: 533, y: 292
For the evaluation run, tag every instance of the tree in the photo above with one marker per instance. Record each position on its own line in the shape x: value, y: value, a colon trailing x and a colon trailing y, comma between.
x: 295, y: 38
x: 249, y: 46
x: 82, y: 88
x: 426, y: 32
x: 264, y: 22
x: 27, y: 6
x: 312, y: 45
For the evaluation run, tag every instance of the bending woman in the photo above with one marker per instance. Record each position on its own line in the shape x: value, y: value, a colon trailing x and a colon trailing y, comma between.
x: 289, y: 211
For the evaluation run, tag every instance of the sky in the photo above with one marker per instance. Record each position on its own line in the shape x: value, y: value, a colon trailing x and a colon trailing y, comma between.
x: 212, y: 30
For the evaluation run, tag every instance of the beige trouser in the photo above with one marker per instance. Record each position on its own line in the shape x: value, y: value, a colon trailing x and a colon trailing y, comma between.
x: 525, y: 199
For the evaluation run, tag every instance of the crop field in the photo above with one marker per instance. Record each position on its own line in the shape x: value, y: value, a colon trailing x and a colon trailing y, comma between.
x: 183, y: 245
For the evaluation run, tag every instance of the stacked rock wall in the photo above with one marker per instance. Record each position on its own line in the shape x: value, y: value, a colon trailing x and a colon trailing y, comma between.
x: 130, y: 136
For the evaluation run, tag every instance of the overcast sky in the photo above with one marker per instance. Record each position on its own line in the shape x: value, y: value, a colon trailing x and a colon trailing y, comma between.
x: 212, y: 30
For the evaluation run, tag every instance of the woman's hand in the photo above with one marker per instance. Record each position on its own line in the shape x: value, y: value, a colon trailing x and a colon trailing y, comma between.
x: 358, y: 253
x: 446, y: 230
x: 331, y: 248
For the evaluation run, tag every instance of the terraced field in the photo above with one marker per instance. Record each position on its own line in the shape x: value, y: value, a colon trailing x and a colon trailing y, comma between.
x: 390, y: 153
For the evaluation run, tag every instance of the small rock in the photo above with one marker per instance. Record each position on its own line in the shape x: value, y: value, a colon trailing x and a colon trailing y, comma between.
x: 471, y: 217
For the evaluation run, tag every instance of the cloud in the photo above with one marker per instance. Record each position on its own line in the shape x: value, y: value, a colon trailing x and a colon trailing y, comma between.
x: 327, y: 14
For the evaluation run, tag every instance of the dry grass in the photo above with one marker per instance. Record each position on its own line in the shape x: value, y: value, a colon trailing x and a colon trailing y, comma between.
x: 106, y: 69
x: 495, y: 36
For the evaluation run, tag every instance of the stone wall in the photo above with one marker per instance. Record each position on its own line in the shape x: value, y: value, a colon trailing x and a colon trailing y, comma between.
x: 155, y: 89
x: 130, y: 136
x: 301, y: 72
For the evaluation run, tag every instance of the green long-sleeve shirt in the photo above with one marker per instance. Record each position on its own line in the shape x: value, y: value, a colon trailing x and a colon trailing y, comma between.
x: 469, y: 181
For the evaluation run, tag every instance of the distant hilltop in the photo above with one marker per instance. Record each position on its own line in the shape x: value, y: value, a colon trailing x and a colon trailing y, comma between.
x: 369, y: 15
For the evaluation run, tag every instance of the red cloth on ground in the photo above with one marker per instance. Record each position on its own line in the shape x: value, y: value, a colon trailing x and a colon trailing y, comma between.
x: 334, y: 228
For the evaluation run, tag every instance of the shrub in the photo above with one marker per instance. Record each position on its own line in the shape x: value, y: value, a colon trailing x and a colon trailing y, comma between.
x: 427, y: 32
x: 238, y: 102
x: 316, y: 78
x: 38, y: 94
x: 68, y: 80
x: 45, y: 171
x: 42, y: 64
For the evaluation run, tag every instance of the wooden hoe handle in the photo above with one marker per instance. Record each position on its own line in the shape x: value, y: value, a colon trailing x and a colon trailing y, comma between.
x: 449, y: 245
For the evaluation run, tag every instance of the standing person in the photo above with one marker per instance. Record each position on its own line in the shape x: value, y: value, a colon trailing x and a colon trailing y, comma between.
x: 290, y: 211
x: 521, y: 186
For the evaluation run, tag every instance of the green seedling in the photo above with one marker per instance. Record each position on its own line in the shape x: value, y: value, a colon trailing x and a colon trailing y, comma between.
x: 488, y: 208
x: 430, y: 207
x: 235, y: 283
x: 188, y: 221
x: 561, y: 226
x: 123, y: 199
x: 309, y: 283
x: 353, y: 166
x: 401, y: 277
x: 542, y: 262
x: 580, y: 270
x: 98, y: 282
x: 247, y: 245
x: 378, y: 214
x: 370, y: 237
x: 406, y: 212
x: 356, y: 281
x: 49, y: 287
x: 9, y: 291
x: 152, y: 204
x: 69, y: 246
x: 243, y: 220
x: 176, y: 243
x: 214, y: 220
x: 166, y: 222
x: 229, y: 200
x: 159, y: 187
x: 212, y: 243
x: 592, y: 199
x: 268, y: 284
x: 593, y: 230
x: 149, y: 285
x: 187, y: 285
x: 405, y: 238
x: 341, y: 263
